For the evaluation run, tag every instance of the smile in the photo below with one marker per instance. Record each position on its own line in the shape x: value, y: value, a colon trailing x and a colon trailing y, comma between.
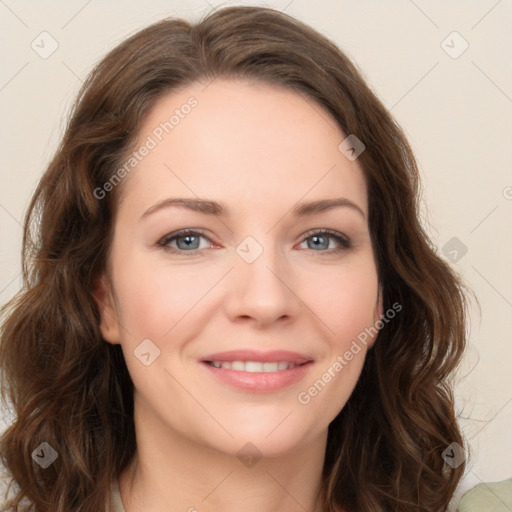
x: 254, y: 371
x: 253, y: 366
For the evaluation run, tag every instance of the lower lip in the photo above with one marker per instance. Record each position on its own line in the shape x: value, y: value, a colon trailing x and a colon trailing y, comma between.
x: 259, y: 382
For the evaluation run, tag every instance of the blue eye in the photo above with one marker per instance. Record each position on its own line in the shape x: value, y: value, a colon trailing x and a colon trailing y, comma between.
x: 320, y: 240
x: 190, y: 239
x: 188, y: 242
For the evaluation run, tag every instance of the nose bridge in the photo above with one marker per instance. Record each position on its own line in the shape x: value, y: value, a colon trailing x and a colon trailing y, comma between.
x: 259, y: 286
x: 259, y: 262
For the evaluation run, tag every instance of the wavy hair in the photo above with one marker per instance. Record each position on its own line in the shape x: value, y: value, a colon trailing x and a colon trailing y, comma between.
x: 71, y: 389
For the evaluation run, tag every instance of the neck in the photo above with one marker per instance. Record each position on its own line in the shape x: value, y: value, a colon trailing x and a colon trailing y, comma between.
x: 171, y: 472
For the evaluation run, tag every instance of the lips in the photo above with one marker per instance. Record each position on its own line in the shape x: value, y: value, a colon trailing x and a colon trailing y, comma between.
x: 257, y: 372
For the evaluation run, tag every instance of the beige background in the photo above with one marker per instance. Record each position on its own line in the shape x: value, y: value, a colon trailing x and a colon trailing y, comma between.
x: 455, y: 109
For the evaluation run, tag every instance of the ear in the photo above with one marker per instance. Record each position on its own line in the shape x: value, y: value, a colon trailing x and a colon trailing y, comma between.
x: 109, y: 325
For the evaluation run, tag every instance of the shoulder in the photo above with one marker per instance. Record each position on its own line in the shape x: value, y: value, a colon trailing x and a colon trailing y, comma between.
x: 488, y: 497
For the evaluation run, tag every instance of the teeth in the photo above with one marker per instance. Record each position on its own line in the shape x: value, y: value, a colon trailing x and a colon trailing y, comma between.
x: 253, y: 366
x: 271, y: 367
x: 236, y: 365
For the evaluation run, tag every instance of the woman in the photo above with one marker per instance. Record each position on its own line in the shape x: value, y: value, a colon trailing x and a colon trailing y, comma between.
x: 299, y: 356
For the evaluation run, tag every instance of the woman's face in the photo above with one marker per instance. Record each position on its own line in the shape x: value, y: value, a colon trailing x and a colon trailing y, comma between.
x: 258, y: 278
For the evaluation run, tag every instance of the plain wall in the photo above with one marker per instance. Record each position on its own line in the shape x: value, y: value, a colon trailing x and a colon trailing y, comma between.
x: 455, y: 109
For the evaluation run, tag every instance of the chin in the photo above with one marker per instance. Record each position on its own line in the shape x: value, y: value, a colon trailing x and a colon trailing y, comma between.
x: 257, y: 442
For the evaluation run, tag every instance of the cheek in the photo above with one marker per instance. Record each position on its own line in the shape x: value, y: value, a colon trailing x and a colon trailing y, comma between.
x: 345, y: 302
x: 156, y: 298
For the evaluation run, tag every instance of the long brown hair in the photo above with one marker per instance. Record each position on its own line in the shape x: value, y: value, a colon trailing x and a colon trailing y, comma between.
x: 72, y: 390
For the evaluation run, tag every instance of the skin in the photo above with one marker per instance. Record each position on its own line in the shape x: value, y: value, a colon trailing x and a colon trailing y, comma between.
x: 258, y: 150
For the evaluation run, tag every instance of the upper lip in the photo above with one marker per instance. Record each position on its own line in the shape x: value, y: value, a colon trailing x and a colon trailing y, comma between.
x: 262, y: 357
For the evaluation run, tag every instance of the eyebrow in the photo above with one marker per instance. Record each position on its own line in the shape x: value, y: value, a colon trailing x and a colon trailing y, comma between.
x: 214, y: 208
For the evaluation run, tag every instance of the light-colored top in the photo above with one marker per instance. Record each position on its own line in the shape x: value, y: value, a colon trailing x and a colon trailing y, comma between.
x: 488, y: 497
x: 115, y: 497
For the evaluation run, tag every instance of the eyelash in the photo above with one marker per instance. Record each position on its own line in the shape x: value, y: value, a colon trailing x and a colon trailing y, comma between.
x: 344, y: 242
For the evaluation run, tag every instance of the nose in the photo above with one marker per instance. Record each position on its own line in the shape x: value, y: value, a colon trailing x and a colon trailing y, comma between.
x: 262, y: 291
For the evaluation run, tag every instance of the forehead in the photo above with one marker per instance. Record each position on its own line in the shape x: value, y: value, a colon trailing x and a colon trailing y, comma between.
x: 252, y: 145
